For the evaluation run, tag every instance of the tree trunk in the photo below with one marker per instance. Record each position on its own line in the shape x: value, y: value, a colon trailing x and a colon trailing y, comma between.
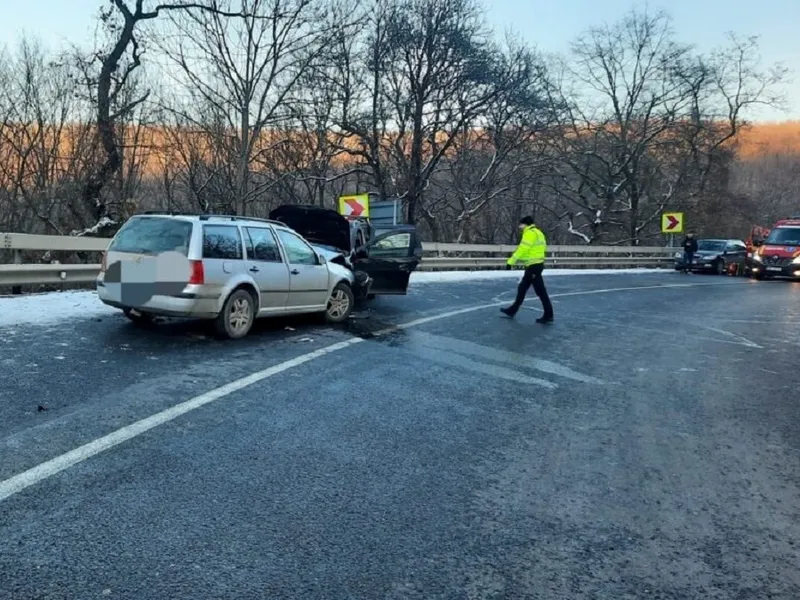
x: 243, y: 168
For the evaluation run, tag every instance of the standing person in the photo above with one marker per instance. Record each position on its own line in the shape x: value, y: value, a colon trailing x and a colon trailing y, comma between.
x: 530, y: 253
x: 689, y: 250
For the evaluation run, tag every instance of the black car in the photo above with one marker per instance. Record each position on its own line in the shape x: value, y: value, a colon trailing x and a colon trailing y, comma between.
x: 715, y: 256
x: 382, y: 265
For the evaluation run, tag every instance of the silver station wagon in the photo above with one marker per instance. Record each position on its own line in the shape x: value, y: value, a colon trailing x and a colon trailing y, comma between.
x: 226, y: 268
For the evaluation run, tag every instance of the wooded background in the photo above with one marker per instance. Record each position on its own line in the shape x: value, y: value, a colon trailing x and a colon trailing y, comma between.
x: 239, y: 106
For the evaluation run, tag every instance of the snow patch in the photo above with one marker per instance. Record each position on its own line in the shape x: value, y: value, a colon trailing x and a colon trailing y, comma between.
x: 51, y: 308
x: 94, y: 229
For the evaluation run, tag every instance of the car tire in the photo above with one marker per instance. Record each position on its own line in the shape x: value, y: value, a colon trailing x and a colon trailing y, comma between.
x: 719, y: 267
x: 237, y: 315
x: 340, y: 304
x: 142, y: 319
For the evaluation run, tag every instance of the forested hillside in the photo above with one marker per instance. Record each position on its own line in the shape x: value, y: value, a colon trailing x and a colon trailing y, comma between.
x: 226, y: 109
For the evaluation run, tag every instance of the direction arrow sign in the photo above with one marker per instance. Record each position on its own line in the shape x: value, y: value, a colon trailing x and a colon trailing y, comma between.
x: 354, y: 206
x: 672, y: 222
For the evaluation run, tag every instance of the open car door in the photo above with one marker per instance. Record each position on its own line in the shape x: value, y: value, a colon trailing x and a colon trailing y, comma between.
x: 389, y: 260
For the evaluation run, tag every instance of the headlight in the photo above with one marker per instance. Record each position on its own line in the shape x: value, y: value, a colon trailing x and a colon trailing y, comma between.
x: 756, y: 257
x: 796, y: 260
x: 678, y: 255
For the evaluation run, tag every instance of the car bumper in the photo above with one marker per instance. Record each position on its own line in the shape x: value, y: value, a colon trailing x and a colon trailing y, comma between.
x: 189, y: 304
x: 696, y: 266
x: 790, y: 270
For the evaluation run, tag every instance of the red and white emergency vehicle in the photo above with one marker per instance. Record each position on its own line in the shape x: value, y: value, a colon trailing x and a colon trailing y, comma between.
x: 779, y: 254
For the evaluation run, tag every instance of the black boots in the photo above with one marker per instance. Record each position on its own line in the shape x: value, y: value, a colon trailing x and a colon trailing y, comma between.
x: 511, y: 313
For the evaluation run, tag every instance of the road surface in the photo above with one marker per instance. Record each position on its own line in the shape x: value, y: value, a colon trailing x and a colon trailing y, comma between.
x: 646, y: 445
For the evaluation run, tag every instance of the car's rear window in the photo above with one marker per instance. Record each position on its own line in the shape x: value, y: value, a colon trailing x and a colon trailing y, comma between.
x: 153, y: 235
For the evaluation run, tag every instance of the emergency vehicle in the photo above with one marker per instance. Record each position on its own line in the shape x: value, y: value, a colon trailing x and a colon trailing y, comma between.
x: 757, y: 236
x: 779, y: 254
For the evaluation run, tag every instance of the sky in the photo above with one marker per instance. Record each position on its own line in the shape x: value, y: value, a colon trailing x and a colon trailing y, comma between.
x: 549, y: 25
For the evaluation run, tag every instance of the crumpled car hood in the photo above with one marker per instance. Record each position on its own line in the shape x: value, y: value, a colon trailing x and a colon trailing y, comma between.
x: 317, y: 225
x: 331, y: 254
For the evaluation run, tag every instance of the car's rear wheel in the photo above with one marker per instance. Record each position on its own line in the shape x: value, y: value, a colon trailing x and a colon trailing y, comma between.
x: 340, y: 304
x: 237, y: 315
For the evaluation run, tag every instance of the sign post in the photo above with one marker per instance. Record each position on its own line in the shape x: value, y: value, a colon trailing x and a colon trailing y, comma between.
x: 354, y: 206
x: 672, y: 223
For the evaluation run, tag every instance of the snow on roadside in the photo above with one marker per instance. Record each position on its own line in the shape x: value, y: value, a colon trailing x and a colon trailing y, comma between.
x: 51, y: 309
x: 56, y: 307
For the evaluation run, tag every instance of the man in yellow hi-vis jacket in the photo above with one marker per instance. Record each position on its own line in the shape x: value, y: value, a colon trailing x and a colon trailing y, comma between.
x: 530, y: 254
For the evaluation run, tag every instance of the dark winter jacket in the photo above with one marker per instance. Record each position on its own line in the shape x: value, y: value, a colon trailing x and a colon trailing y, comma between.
x: 690, y: 245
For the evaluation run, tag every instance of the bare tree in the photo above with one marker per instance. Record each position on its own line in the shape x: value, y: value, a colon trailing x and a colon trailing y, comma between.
x: 41, y: 138
x: 494, y: 154
x: 424, y: 69
x: 244, y: 70
x: 116, y: 66
x: 643, y: 131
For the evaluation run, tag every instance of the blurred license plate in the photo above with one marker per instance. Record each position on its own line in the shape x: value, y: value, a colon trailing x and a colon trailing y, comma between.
x: 774, y: 269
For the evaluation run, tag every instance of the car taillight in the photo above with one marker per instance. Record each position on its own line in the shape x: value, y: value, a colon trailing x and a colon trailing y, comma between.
x: 197, y: 275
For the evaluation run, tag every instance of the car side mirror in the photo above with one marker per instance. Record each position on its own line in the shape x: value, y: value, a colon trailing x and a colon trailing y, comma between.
x: 362, y: 253
x: 322, y: 260
x: 758, y: 243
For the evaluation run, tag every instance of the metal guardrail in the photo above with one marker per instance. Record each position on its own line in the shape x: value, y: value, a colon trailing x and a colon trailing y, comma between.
x: 438, y: 257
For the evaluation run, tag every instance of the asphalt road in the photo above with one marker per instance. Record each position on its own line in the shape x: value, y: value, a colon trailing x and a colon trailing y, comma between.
x: 646, y: 445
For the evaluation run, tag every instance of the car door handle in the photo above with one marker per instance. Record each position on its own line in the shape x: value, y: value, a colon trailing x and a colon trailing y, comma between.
x: 295, y: 272
x: 254, y: 269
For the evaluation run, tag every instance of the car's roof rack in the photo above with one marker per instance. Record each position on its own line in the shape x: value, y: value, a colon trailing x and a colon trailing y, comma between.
x: 171, y: 213
x: 207, y: 216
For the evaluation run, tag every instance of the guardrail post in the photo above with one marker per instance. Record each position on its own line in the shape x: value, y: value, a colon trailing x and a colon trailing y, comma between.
x: 17, y: 260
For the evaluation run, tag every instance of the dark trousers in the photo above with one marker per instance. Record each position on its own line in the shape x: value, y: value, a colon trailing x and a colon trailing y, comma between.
x: 533, y: 277
x: 688, y: 259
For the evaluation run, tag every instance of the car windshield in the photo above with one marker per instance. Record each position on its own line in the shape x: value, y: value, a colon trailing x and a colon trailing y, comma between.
x: 153, y: 235
x: 710, y: 246
x: 789, y: 236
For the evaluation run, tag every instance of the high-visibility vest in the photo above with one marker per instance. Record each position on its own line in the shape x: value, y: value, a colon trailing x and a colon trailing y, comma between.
x: 532, y: 248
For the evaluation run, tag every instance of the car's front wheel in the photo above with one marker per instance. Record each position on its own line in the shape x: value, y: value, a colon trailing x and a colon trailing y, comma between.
x: 340, y: 304
x: 237, y: 315
x: 719, y: 267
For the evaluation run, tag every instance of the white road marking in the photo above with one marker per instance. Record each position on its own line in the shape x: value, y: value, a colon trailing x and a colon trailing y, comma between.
x: 665, y: 333
x: 440, y: 342
x: 455, y: 360
x: 744, y: 341
x: 45, y: 470
x: 19, y: 482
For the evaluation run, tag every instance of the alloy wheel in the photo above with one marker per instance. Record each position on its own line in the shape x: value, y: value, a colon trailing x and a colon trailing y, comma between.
x: 338, y: 304
x: 239, y: 315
